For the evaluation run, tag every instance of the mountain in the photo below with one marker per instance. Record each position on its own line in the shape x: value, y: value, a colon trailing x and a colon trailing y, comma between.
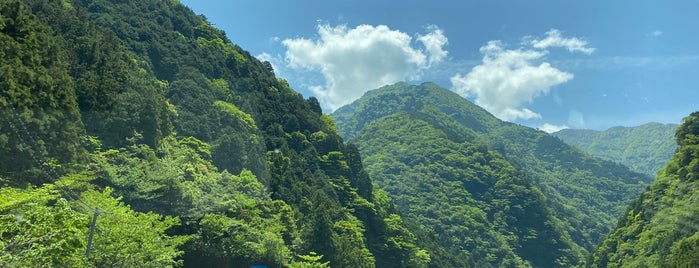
x: 493, y: 193
x: 645, y: 148
x: 661, y: 228
x: 144, y: 120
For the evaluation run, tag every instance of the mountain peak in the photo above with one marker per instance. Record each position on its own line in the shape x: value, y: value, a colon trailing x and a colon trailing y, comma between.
x: 402, y: 96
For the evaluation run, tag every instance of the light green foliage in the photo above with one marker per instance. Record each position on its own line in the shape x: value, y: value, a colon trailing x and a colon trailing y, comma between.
x: 350, y: 245
x: 222, y: 87
x: 660, y: 228
x: 33, y: 233
x: 211, y: 38
x: 236, y: 113
x: 401, y: 238
x: 645, y: 148
x: 328, y: 122
x: 312, y: 260
x: 129, y: 238
x: 40, y: 228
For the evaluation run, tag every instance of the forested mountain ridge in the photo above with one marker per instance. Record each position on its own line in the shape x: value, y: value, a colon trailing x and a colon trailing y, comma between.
x: 645, y: 148
x: 437, y: 153
x: 661, y: 227
x: 190, y: 149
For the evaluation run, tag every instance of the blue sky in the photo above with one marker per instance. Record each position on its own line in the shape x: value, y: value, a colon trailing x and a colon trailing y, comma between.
x: 544, y: 64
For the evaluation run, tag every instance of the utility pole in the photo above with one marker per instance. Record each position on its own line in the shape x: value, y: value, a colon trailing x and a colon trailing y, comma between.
x: 92, y: 232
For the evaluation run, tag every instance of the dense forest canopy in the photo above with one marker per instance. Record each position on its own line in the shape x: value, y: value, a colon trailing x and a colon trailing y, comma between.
x: 139, y: 124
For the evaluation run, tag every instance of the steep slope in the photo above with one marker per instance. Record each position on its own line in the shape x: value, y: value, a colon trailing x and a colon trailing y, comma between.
x: 645, y: 148
x: 661, y: 228
x: 147, y: 103
x: 435, y: 151
x: 37, y: 89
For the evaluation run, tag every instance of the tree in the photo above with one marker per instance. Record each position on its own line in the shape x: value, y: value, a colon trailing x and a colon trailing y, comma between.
x: 38, y: 226
x: 32, y: 232
x: 129, y: 238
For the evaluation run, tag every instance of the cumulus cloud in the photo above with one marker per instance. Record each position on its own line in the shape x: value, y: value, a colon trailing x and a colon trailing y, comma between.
x: 507, y: 78
x: 554, y: 39
x: 355, y: 60
x: 549, y: 128
x: 434, y: 43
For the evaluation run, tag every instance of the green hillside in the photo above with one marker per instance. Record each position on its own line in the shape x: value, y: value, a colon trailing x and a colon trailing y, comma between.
x: 645, y: 148
x: 661, y: 228
x: 494, y: 193
x: 191, y: 151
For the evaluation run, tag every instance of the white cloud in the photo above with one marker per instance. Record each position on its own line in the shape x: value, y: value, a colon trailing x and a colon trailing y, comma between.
x: 656, y: 33
x: 549, y: 128
x: 508, y: 78
x: 554, y: 39
x: 353, y: 61
x: 434, y: 43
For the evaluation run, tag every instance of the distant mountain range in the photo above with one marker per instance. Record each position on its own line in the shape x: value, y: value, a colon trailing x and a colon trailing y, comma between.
x: 494, y: 193
x: 645, y: 148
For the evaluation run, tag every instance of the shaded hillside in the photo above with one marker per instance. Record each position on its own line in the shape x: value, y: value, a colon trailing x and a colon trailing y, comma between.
x: 645, y: 148
x: 146, y: 111
x: 488, y: 189
x: 661, y: 228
